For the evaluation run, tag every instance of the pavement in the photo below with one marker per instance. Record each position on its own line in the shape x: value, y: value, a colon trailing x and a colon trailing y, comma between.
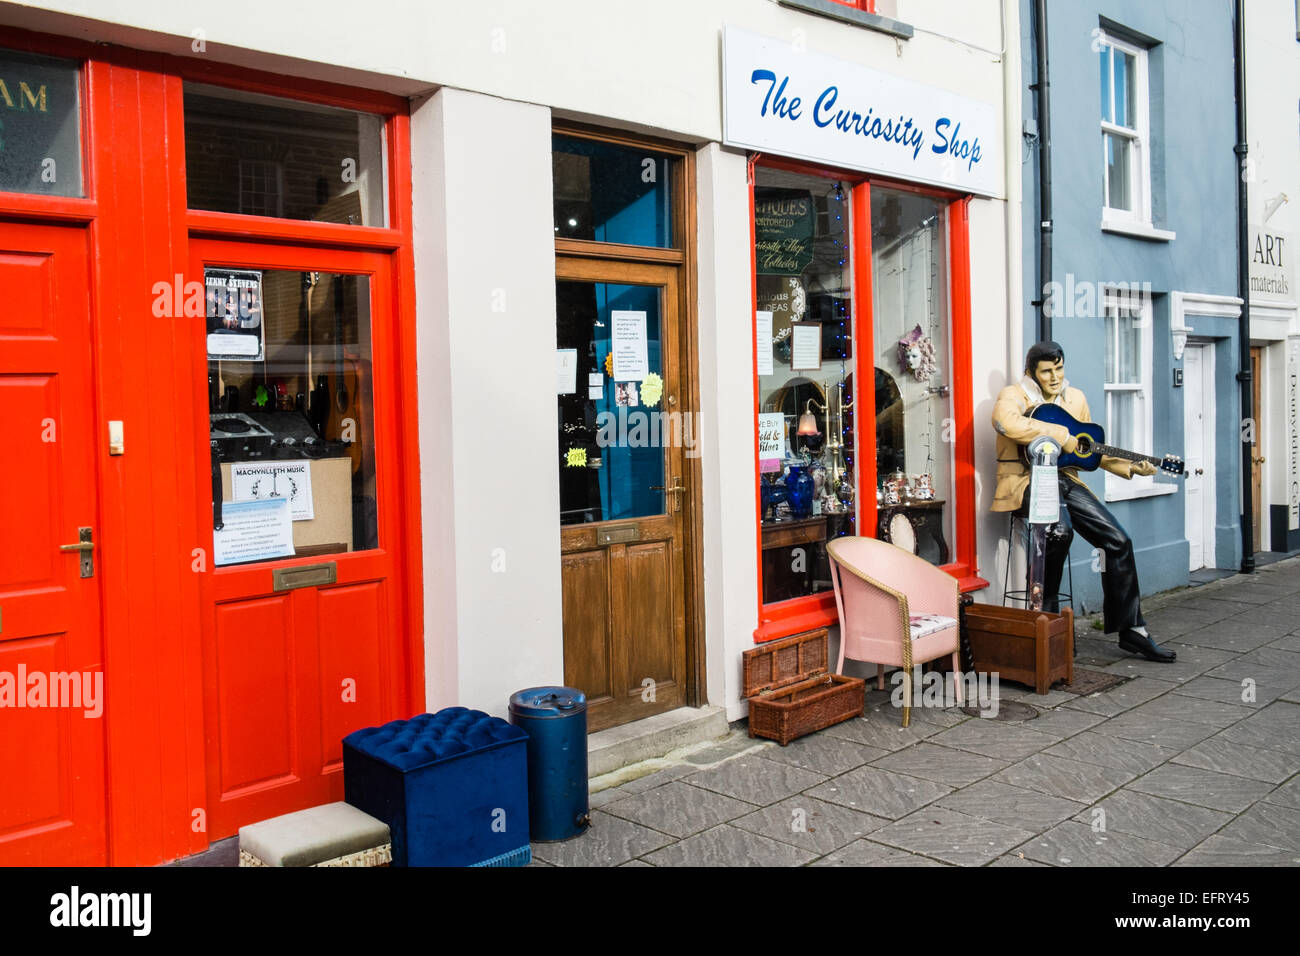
x: 1193, y: 763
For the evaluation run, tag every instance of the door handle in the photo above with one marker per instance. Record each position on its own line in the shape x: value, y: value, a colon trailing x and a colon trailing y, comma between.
x: 676, y: 489
x: 86, y: 546
x: 1200, y: 471
x: 1258, y: 461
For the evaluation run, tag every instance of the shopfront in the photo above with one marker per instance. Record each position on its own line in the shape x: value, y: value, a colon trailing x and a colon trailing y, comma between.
x: 206, y: 578
x: 861, y: 185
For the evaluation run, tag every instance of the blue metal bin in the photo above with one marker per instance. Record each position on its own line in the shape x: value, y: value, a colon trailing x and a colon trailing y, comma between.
x: 555, y: 719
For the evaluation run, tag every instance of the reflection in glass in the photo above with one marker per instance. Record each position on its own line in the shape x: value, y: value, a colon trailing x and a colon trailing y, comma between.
x: 913, y: 367
x: 266, y: 156
x: 613, y: 428
x: 1117, y: 171
x: 40, y: 125
x: 291, y: 414
x: 610, y: 193
x: 807, y: 451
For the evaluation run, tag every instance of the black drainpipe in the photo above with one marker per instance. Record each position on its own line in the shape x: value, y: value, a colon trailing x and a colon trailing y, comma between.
x: 1243, y: 291
x: 1043, y: 95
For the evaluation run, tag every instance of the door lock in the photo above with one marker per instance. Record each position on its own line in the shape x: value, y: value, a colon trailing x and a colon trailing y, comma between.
x: 86, y: 545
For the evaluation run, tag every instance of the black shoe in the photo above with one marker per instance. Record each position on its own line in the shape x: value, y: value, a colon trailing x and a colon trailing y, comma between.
x: 1136, y: 643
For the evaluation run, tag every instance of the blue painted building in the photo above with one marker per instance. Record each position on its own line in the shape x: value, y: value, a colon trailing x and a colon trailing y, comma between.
x: 1143, y: 265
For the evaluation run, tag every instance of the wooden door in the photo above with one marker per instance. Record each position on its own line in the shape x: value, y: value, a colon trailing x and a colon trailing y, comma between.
x: 1256, y: 458
x: 51, y: 643
x: 623, y: 489
x: 301, y: 650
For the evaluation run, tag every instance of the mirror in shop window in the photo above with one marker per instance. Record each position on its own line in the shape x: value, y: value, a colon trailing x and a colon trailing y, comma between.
x: 290, y: 407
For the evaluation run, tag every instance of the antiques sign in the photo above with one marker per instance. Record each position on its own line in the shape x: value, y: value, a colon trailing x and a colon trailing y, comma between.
x: 784, y: 100
x: 40, y: 141
x: 783, y: 230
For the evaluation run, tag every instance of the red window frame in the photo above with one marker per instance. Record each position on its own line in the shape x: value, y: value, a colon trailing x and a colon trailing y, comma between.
x: 866, y: 6
x: 796, y: 615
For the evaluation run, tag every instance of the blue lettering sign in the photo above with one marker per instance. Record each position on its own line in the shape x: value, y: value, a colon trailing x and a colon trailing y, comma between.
x: 959, y: 148
x: 787, y: 109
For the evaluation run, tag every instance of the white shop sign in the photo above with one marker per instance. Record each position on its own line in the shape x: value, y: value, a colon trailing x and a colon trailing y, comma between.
x: 1293, y: 433
x: 1272, y: 265
x: 776, y: 99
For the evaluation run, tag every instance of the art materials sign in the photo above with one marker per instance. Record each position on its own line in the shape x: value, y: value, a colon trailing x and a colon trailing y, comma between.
x: 781, y: 100
x: 1272, y: 265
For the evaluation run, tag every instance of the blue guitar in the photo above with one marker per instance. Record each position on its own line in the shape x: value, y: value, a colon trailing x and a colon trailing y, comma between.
x: 1092, y: 444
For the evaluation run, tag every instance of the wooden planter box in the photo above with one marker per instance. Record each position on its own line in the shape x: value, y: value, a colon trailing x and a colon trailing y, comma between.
x: 791, y: 692
x: 1032, y: 647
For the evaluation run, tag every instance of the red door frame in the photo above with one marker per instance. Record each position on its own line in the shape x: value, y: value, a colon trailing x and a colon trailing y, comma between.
x: 155, y: 607
x: 794, y: 616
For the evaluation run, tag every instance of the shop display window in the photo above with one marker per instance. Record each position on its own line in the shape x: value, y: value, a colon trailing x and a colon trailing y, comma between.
x: 291, y: 407
x: 806, y: 363
x: 40, y: 125
x: 261, y: 155
x: 915, y: 427
x: 605, y: 192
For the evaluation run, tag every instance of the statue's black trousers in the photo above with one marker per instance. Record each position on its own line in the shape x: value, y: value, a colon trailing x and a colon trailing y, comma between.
x: 1082, y: 512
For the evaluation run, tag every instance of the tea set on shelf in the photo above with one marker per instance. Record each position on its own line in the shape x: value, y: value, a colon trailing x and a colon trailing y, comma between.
x: 898, y: 489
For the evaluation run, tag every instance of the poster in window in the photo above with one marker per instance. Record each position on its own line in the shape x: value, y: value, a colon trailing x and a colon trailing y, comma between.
x: 234, y: 310
x: 805, y: 346
x: 784, y: 222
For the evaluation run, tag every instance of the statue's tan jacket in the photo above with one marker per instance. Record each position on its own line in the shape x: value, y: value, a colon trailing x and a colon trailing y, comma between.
x: 1014, y: 429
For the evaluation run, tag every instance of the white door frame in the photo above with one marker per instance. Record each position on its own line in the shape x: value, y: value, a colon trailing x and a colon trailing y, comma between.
x: 1208, y: 510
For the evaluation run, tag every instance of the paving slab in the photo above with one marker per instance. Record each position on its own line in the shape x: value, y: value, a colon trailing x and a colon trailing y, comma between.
x: 1288, y: 795
x: 1231, y: 691
x: 1192, y: 662
x: 1011, y: 806
x: 1237, y: 639
x: 953, y: 768
x: 678, y: 809
x: 883, y: 730
x: 1061, y: 722
x: 810, y: 824
x: 1061, y: 777
x: 1178, y: 734
x: 1075, y: 844
x: 1170, y: 622
x: 1226, y: 756
x: 609, y: 841
x: 1267, y: 824
x: 822, y: 753
x: 867, y: 853
x: 658, y: 778
x: 1225, y: 851
x: 1121, y: 698
x: 726, y: 845
x: 1212, y: 713
x: 951, y: 836
x: 1289, y: 643
x: 1205, y: 788
x: 1107, y: 750
x: 1013, y: 860
x: 1276, y: 727
x: 995, y: 738
x: 1166, y: 821
x: 880, y: 792
x: 755, y: 780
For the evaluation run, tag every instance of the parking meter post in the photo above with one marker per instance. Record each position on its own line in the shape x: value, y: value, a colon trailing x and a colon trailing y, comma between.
x: 1044, y: 511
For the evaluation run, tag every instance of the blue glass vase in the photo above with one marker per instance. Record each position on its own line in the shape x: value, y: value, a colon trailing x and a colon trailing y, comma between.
x: 800, y: 485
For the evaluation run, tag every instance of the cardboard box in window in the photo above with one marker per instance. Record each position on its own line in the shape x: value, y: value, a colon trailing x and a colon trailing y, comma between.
x: 330, y: 530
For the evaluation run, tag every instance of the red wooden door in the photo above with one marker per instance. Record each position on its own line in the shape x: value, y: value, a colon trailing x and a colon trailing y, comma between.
x: 51, y: 643
x: 290, y: 670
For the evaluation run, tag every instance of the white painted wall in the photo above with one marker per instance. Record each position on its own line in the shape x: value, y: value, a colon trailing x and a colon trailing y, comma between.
x: 485, y: 316
x: 1272, y: 91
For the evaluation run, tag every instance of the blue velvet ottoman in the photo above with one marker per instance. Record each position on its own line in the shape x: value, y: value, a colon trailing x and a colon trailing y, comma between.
x: 452, y: 787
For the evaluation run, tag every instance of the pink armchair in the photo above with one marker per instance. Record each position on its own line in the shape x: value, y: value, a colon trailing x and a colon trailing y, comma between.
x: 895, y: 608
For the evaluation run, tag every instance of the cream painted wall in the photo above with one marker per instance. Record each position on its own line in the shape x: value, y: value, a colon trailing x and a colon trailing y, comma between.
x: 485, y: 316
x: 482, y: 194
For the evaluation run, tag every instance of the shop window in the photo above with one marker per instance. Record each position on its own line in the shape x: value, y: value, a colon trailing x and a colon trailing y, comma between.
x: 291, y: 414
x: 1126, y: 170
x: 263, y: 155
x: 1128, y: 384
x: 807, y: 451
x: 611, y: 193
x: 913, y: 372
x: 40, y: 125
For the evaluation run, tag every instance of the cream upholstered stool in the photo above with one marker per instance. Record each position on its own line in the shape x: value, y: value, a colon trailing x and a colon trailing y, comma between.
x: 335, y: 834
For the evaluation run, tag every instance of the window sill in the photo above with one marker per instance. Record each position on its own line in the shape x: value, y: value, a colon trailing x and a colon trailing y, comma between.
x: 859, y: 18
x: 1122, y: 493
x: 1137, y: 230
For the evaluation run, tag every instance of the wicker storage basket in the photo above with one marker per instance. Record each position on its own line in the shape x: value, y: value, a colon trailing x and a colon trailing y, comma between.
x: 790, y: 692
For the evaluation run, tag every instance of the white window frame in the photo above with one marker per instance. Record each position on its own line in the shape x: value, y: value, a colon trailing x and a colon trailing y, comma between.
x: 1138, y: 219
x: 1139, y: 486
